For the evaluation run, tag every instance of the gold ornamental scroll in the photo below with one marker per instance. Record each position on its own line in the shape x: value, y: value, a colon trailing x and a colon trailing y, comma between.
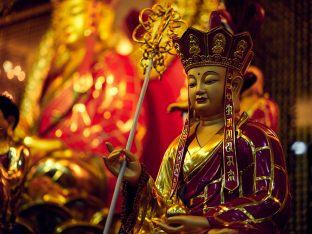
x: 158, y: 25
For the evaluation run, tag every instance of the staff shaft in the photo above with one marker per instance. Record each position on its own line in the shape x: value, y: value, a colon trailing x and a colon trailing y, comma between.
x: 128, y: 147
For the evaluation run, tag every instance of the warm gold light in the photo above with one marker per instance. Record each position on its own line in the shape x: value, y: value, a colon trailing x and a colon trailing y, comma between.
x: 8, y: 94
x: 21, y: 76
x: 27, y: 140
x: 124, y: 126
x: 73, y: 127
x: 17, y: 69
x: 110, y: 79
x: 122, y: 88
x: 95, y: 143
x: 7, y: 65
x: 183, y: 93
x: 58, y: 133
x: 124, y: 47
x: 86, y: 132
x: 79, y: 107
x: 95, y: 93
x: 10, y: 74
x: 107, y: 114
x: 113, y: 91
x: 99, y: 82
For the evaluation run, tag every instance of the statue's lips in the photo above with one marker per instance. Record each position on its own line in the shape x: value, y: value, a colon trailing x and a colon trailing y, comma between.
x: 201, y: 100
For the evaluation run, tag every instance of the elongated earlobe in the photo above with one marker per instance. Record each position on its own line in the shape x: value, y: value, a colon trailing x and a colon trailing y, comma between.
x: 237, y: 85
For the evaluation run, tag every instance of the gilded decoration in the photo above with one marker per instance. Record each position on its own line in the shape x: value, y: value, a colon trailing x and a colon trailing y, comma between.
x: 219, y: 42
x: 223, y: 43
x: 162, y: 24
x: 193, y: 44
x: 241, y: 48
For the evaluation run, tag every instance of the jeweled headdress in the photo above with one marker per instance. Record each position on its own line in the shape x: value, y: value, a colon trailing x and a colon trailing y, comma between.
x: 217, y: 47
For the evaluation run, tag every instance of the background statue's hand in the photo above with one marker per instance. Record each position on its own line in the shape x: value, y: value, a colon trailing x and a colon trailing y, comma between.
x: 114, y: 160
x: 41, y: 146
x: 181, y: 106
x: 183, y: 224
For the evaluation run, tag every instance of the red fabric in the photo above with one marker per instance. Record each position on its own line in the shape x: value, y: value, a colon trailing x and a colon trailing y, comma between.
x: 162, y: 127
x: 265, y: 193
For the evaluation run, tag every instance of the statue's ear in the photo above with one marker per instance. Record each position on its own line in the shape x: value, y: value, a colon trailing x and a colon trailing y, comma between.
x: 237, y: 84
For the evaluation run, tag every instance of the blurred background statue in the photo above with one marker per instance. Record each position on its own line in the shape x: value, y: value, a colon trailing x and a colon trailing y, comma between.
x: 256, y: 103
x: 14, y: 159
x: 80, y: 93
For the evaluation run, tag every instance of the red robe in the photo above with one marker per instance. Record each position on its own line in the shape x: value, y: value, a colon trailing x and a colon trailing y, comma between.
x: 259, y: 205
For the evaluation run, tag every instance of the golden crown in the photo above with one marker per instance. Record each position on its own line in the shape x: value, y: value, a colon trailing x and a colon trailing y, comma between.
x: 215, y: 47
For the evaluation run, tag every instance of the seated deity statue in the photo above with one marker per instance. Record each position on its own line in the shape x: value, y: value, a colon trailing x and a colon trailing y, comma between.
x: 14, y: 158
x: 225, y: 173
x: 80, y: 92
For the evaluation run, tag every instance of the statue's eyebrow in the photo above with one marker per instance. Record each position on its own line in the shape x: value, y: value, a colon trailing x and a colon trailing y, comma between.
x: 210, y: 73
x: 190, y: 76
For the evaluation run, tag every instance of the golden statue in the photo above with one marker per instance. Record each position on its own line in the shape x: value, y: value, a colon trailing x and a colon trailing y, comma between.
x: 14, y: 159
x: 224, y: 173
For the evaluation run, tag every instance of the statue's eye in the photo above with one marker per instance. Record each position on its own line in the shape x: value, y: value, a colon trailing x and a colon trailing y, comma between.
x: 210, y: 81
x: 192, y: 85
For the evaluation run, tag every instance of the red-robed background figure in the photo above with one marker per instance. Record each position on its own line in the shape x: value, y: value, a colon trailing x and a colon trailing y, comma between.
x: 80, y: 92
x: 259, y: 106
x: 225, y: 172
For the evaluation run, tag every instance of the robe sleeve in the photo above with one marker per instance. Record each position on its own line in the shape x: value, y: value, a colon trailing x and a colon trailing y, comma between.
x: 149, y: 200
x: 268, y: 203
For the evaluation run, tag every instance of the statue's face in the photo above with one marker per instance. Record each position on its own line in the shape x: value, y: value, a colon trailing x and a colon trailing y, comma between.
x: 71, y: 21
x: 206, y: 90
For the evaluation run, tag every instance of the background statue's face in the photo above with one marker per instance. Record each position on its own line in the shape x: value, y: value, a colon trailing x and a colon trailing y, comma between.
x: 72, y: 21
x: 206, y: 90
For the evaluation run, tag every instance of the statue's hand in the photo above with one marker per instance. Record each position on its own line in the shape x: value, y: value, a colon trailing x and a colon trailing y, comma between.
x: 114, y: 160
x: 183, y: 224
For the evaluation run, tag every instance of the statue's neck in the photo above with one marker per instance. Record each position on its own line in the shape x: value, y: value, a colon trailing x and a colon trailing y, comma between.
x: 207, y: 128
x: 206, y: 121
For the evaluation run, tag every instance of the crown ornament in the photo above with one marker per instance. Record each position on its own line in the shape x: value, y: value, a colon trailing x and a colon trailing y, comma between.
x: 218, y: 46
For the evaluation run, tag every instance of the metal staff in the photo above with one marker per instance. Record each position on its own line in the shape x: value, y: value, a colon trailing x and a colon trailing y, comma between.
x: 159, y: 28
